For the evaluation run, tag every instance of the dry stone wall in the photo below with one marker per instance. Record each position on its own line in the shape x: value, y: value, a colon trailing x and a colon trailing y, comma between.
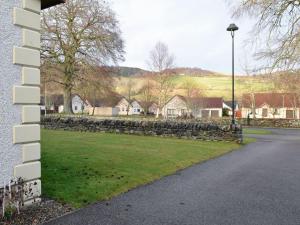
x: 186, y: 130
x: 272, y: 123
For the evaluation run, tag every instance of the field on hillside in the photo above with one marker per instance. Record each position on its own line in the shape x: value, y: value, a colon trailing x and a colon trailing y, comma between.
x: 211, y: 86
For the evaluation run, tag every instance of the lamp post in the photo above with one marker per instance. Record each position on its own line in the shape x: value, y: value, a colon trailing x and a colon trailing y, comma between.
x: 232, y: 28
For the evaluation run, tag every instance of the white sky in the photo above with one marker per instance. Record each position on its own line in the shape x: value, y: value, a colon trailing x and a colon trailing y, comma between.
x: 194, y: 30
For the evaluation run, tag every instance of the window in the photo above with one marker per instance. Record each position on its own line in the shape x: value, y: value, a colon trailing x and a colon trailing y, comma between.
x: 290, y: 114
x: 171, y: 111
x: 183, y: 112
x: 138, y: 110
x: 76, y: 108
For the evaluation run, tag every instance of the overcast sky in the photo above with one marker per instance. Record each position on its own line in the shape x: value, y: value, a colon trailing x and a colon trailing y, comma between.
x: 194, y: 30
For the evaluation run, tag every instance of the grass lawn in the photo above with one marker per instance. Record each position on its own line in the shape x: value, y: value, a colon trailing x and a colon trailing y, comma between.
x: 82, y: 168
x: 256, y: 131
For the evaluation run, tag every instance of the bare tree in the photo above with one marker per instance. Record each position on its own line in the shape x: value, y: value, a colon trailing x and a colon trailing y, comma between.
x: 146, y: 93
x: 288, y: 83
x: 129, y: 91
x: 276, y: 29
x: 160, y: 62
x: 97, y: 84
x: 80, y: 32
x: 193, y: 93
x: 191, y: 88
x: 248, y: 82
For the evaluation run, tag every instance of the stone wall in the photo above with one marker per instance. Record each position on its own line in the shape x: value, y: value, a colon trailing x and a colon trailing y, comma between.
x: 267, y: 123
x: 276, y: 123
x: 187, y: 130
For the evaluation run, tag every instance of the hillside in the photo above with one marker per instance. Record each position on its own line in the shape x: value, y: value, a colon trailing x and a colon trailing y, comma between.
x: 124, y: 71
x: 211, y: 85
x: 195, y: 71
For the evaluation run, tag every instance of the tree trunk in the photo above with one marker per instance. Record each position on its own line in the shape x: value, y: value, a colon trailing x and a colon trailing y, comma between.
x: 68, y: 100
x: 146, y: 111
x: 68, y: 77
x: 253, y: 104
x: 157, y: 112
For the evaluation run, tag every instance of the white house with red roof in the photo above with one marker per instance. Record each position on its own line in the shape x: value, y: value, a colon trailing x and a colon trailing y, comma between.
x: 202, y: 107
x: 271, y: 105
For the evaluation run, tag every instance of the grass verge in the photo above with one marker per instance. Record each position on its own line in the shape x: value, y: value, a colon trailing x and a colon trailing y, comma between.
x: 82, y: 168
x: 256, y: 131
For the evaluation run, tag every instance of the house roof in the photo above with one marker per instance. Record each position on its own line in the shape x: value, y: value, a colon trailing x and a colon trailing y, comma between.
x: 111, y: 101
x: 48, y: 3
x: 229, y: 104
x: 274, y: 100
x: 203, y: 102
x: 209, y: 103
x: 137, y: 101
x: 146, y: 104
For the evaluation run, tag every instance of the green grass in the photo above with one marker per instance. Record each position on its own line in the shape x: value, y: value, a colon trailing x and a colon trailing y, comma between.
x: 256, y: 131
x: 81, y: 168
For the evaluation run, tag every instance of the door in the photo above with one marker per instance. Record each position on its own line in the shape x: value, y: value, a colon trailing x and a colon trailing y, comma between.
x: 215, y: 114
x: 265, y: 113
x: 205, y: 113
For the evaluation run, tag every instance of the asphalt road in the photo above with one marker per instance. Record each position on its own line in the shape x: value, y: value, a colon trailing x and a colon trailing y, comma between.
x: 257, y: 185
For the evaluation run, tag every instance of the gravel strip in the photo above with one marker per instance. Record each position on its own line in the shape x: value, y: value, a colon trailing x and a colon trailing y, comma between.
x: 39, y: 213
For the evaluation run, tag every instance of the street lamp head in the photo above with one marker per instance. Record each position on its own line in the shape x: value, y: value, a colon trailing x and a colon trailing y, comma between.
x: 232, y: 27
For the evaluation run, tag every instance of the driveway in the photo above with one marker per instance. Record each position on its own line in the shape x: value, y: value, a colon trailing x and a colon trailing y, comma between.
x: 257, y: 185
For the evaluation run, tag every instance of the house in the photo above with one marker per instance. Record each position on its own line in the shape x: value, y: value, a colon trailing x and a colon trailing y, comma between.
x: 149, y: 107
x: 104, y: 106
x: 113, y: 105
x: 127, y: 107
x: 271, y: 105
x: 179, y: 106
x: 53, y: 103
x: 136, y: 109
x: 79, y: 105
x: 227, y: 105
x: 124, y: 106
x: 152, y: 109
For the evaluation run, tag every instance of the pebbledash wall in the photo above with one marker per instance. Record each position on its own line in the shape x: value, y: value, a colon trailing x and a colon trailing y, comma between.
x: 20, y: 92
